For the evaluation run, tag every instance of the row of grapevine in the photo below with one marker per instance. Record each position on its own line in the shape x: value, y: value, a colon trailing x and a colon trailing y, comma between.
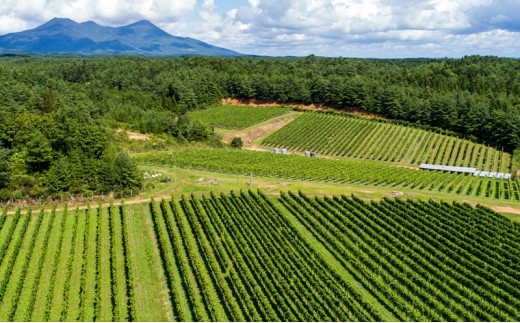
x: 64, y: 265
x: 59, y: 273
x: 340, y: 171
x: 18, y: 269
x: 249, y: 263
x: 236, y: 117
x: 345, y: 136
x: 247, y: 257
x: 423, y: 260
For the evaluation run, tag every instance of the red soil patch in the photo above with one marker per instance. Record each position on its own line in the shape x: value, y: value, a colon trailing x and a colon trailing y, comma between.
x: 301, y: 105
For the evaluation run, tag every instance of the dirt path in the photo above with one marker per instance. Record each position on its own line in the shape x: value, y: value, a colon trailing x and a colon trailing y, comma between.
x: 505, y: 209
x: 95, y: 205
x: 252, y: 135
x: 499, y: 209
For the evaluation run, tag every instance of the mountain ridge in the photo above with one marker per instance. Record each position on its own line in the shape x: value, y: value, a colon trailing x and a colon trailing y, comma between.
x: 63, y: 35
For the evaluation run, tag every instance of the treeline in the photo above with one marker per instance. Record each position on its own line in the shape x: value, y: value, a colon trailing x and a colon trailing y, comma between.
x: 62, y: 110
x: 56, y: 134
x: 477, y: 96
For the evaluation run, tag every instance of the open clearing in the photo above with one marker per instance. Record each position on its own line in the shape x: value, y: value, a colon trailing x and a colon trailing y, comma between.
x: 258, y: 131
x: 186, y: 181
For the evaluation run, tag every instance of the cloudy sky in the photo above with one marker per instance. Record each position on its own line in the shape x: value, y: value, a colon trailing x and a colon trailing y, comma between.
x: 348, y: 28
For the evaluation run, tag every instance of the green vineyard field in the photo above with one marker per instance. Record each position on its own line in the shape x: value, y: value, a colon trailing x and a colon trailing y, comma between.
x: 248, y: 257
x: 342, y: 170
x: 66, y: 266
x: 344, y: 136
x: 422, y: 260
x: 236, y: 117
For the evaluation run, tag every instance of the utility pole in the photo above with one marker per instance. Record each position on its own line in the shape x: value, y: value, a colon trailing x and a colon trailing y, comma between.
x: 251, y: 179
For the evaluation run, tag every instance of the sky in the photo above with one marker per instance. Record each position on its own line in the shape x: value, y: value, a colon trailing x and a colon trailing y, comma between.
x: 347, y: 28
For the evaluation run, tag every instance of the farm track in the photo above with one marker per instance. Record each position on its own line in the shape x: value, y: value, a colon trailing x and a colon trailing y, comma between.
x: 346, y: 171
x: 167, y: 197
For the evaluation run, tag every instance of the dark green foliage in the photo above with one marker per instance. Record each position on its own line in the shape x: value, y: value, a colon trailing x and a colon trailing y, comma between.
x: 476, y: 96
x: 193, y: 130
x: 52, y: 109
x: 126, y: 174
x: 237, y: 143
x: 58, y: 177
x: 39, y: 152
x: 5, y: 168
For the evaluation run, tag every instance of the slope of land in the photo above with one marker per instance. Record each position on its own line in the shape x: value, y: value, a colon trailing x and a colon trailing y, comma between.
x: 346, y: 171
x: 343, y: 136
x: 236, y: 117
x: 299, y: 105
x: 255, y: 133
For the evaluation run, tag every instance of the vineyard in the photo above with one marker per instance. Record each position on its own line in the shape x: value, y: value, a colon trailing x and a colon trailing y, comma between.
x: 344, y: 136
x: 248, y: 257
x: 341, y: 171
x: 424, y: 261
x: 237, y: 117
x: 66, y: 266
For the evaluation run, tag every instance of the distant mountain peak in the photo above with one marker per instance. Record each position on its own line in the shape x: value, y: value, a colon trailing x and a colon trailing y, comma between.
x: 63, y: 35
x: 143, y: 22
x: 57, y: 20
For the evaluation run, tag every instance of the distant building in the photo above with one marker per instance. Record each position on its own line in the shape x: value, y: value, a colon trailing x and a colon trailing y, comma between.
x: 465, y: 170
x: 452, y: 169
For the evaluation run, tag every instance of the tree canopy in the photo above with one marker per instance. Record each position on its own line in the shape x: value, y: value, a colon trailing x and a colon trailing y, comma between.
x: 58, y: 114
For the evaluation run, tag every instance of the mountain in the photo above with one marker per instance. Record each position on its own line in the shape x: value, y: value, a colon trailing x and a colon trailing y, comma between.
x: 61, y: 35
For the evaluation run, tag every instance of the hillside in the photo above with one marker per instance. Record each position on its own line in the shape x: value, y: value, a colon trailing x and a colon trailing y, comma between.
x: 344, y: 136
x: 236, y: 117
x: 61, y: 35
x: 343, y: 171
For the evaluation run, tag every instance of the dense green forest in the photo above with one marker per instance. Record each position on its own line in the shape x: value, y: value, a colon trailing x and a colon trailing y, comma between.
x: 57, y: 116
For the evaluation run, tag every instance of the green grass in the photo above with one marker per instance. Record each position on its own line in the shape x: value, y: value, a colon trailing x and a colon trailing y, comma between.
x: 344, y: 136
x: 237, y: 117
x: 346, y: 171
x: 512, y: 216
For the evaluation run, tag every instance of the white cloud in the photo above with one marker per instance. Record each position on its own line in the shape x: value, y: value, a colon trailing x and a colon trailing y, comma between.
x: 108, y: 12
x: 10, y: 23
x: 375, y: 28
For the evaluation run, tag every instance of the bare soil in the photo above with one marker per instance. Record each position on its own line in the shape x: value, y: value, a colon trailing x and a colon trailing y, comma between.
x: 301, y: 105
x: 251, y: 135
x: 505, y: 209
x: 136, y: 135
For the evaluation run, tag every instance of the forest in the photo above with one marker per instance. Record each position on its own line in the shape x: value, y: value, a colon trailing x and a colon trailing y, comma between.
x: 58, y: 115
